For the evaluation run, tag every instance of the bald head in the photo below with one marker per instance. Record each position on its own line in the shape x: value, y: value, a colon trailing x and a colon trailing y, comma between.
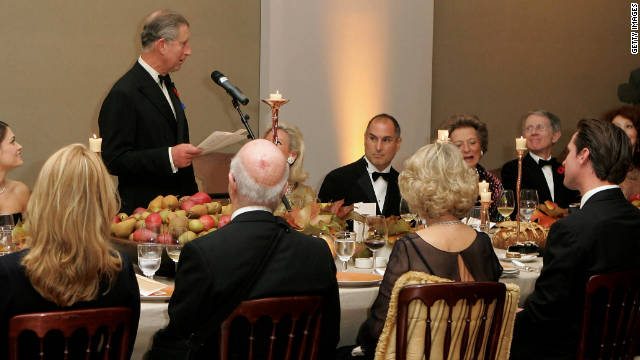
x: 258, y: 174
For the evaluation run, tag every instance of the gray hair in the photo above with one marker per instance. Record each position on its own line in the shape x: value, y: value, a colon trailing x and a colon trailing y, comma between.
x: 553, y: 119
x: 253, y: 193
x: 161, y: 24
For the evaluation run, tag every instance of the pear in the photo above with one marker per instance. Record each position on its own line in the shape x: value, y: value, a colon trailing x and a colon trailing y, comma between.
x: 178, y: 222
x: 123, y: 228
x: 213, y: 207
x: 227, y: 209
x: 197, y: 210
x: 164, y: 214
x: 145, y: 214
x: 181, y: 212
x: 140, y: 224
x: 156, y: 203
x: 170, y: 202
x: 186, y: 237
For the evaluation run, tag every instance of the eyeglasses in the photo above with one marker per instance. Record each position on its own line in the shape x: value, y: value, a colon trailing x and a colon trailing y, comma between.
x: 539, y: 127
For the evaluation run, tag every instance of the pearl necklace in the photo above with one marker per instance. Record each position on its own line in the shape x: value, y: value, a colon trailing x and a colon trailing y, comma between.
x: 448, y: 222
x: 4, y: 188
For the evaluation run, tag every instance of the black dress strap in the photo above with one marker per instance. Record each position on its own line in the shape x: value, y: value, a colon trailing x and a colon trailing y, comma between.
x: 415, y: 247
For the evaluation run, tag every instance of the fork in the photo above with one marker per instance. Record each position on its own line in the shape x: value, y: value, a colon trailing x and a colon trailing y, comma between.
x: 524, y: 267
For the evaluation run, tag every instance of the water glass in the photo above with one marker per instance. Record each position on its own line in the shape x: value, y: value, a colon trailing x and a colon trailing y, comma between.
x: 6, y: 244
x: 473, y: 219
x: 375, y: 237
x: 149, y: 256
x: 528, y: 203
x: 345, y: 245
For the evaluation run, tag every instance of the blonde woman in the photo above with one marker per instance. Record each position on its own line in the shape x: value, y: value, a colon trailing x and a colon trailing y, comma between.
x: 291, y: 143
x: 67, y: 262
x: 442, y: 188
x: 13, y: 194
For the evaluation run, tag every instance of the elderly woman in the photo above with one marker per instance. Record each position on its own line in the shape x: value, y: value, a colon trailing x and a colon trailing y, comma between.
x: 13, y: 194
x: 628, y: 119
x: 291, y: 143
x: 470, y: 135
x: 441, y: 188
x: 67, y: 262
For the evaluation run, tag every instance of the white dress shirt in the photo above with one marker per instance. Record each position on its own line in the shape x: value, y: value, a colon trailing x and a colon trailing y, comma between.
x: 548, y: 173
x: 380, y: 185
x: 245, y: 209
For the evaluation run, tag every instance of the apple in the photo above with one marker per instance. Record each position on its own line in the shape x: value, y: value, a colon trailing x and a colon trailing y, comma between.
x: 154, y: 220
x: 196, y: 225
x: 139, y: 210
x: 201, y: 197
x: 144, y: 235
x: 634, y: 197
x: 187, y: 205
x: 208, y: 221
x: 223, y: 220
x: 166, y: 238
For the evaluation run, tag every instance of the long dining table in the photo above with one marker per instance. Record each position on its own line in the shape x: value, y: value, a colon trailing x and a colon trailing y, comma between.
x: 355, y: 302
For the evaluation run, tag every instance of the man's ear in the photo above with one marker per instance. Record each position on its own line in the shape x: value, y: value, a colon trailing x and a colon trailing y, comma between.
x: 233, y: 186
x: 161, y: 45
x: 556, y: 136
x: 583, y: 156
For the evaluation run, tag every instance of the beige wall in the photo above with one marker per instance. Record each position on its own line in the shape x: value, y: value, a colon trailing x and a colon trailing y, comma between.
x: 340, y: 63
x: 60, y: 58
x: 500, y: 58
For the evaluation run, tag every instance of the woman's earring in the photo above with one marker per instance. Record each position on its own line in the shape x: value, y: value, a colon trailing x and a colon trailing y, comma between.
x: 291, y: 160
x: 481, y: 152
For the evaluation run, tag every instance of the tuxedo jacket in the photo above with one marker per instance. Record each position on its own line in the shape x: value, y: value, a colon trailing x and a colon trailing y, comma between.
x: 137, y: 127
x: 19, y: 297
x: 533, y: 178
x: 353, y: 184
x: 602, y: 237
x: 215, y: 265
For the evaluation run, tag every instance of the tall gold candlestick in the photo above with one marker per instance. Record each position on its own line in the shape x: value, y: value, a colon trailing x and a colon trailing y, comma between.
x: 275, y: 101
x: 518, y: 182
x: 484, y: 216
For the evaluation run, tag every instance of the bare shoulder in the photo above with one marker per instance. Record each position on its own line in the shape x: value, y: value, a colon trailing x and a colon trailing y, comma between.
x: 18, y: 188
x: 451, y: 238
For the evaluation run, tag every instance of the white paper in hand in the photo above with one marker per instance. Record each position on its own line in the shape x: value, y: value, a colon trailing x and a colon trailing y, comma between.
x: 218, y: 140
x: 362, y: 209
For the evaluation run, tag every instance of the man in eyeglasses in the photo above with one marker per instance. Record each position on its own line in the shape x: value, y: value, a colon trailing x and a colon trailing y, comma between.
x: 540, y: 171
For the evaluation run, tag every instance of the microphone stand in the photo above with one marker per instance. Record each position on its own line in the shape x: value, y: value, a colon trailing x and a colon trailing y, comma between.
x: 245, y: 121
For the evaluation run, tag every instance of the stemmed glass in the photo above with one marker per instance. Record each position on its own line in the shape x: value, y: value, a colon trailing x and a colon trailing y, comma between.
x: 345, y: 244
x: 375, y: 235
x: 6, y: 221
x: 473, y: 219
x: 528, y: 203
x: 173, y: 250
x: 506, y: 203
x: 6, y: 226
x: 405, y: 212
x: 149, y: 255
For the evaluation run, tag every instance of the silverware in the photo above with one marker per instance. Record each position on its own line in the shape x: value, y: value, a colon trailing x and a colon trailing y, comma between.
x: 524, y: 267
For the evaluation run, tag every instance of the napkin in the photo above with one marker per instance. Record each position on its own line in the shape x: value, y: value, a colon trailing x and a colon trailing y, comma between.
x: 148, y: 286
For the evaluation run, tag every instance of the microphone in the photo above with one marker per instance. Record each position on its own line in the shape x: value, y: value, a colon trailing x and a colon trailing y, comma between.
x: 235, y: 93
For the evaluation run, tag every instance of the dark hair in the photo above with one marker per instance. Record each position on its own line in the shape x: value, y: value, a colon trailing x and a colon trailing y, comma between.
x: 3, y: 130
x: 458, y: 121
x: 161, y: 24
x: 609, y: 149
x: 633, y: 114
x: 396, y: 126
x: 553, y: 119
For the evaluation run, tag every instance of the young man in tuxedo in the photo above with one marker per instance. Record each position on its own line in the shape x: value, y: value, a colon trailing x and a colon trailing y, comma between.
x: 601, y: 237
x: 371, y: 179
x: 213, y: 267
x: 142, y: 121
x: 540, y: 171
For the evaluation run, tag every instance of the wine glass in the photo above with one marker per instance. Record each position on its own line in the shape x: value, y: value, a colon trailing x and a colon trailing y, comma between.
x: 506, y: 203
x: 405, y: 212
x: 149, y: 255
x: 6, y: 244
x: 528, y: 203
x: 6, y: 221
x: 473, y: 219
x: 345, y: 244
x: 375, y: 235
x: 173, y: 250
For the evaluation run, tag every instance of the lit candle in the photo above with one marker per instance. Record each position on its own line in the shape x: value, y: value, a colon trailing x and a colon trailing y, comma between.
x: 276, y: 96
x: 443, y: 135
x: 95, y: 144
x: 521, y: 143
x: 483, y: 186
x: 485, y: 196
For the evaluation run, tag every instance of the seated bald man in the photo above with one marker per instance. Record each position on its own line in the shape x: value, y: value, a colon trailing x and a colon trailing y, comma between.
x: 214, y: 267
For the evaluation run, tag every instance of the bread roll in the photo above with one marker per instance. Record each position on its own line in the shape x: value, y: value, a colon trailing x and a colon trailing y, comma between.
x: 529, y: 232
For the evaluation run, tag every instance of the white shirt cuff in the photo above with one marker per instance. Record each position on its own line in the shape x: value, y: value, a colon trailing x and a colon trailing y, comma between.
x: 173, y: 167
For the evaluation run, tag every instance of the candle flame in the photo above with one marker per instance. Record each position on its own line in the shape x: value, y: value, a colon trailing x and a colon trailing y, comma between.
x: 94, y: 136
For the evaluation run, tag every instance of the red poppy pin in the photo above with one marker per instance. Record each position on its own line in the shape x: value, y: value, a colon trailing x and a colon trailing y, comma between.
x: 175, y: 91
x: 560, y: 170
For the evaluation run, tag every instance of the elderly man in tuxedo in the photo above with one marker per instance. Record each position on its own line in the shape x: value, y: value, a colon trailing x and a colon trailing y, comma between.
x: 601, y: 237
x: 540, y: 171
x: 370, y: 179
x: 214, y: 267
x: 142, y: 120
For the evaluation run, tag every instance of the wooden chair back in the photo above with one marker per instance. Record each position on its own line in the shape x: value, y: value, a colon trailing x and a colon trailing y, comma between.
x: 293, y: 330
x: 102, y: 322
x: 487, y: 329
x: 611, y: 316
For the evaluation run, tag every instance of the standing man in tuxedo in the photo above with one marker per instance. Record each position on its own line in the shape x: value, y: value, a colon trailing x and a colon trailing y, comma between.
x: 601, y: 237
x: 142, y: 120
x: 540, y: 171
x: 370, y: 179
x: 212, y: 268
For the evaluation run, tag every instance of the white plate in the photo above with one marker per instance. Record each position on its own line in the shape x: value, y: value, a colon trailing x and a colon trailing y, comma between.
x: 354, y: 279
x: 523, y: 258
x: 157, y: 298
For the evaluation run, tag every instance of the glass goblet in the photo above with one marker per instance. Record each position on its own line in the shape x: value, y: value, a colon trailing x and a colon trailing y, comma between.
x: 375, y: 237
x: 528, y: 203
x: 506, y: 203
x: 473, y: 219
x: 345, y: 245
x: 149, y: 256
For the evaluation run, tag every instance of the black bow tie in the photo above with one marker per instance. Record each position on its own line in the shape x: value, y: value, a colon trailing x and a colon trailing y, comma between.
x: 542, y: 162
x: 375, y: 175
x: 166, y: 79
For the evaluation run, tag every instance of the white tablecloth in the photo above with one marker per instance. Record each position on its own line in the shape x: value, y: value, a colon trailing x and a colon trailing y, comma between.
x: 526, y: 280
